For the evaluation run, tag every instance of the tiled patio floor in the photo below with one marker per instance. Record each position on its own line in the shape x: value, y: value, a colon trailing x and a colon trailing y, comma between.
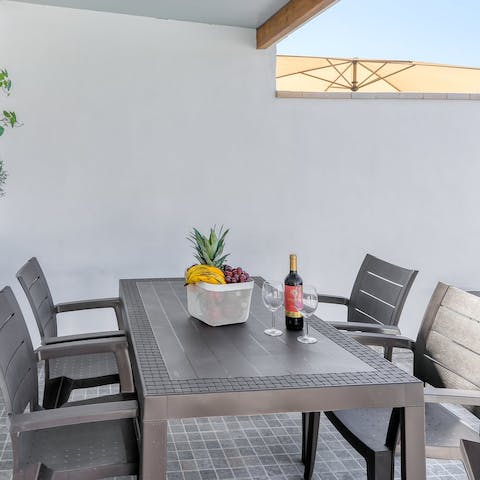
x: 254, y: 447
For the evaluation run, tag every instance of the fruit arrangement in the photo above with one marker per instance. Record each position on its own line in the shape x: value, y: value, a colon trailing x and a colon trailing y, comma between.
x: 217, y: 294
x: 211, y: 267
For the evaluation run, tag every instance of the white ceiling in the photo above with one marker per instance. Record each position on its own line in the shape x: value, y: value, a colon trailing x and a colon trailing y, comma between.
x: 241, y: 13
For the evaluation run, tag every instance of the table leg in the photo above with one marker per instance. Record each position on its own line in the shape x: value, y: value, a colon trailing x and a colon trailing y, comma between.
x: 153, y: 459
x: 313, y: 422
x: 304, y: 435
x: 413, y: 443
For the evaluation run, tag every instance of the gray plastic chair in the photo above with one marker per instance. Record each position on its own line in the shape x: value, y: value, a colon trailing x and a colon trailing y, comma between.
x: 57, y: 391
x: 375, y: 305
x: 84, y: 441
x: 447, y: 357
x: 471, y: 458
x: 73, y: 371
x: 377, y: 297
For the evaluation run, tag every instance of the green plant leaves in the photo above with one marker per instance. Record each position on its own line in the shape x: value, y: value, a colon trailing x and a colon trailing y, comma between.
x: 5, y: 82
x: 11, y: 118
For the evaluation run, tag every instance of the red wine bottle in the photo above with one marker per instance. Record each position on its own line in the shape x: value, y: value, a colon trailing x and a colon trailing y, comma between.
x: 293, y: 289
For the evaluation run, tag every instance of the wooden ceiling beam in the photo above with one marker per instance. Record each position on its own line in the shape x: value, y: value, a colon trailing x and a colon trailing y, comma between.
x: 291, y: 16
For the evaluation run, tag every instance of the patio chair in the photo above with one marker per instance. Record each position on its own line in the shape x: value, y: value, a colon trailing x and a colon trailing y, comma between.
x: 447, y: 357
x: 70, y: 372
x: 57, y: 389
x: 377, y: 297
x: 82, y: 440
x: 471, y: 458
x: 35, y: 286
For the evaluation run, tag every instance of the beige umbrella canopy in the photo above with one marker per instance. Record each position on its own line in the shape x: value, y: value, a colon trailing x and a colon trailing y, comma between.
x: 321, y: 74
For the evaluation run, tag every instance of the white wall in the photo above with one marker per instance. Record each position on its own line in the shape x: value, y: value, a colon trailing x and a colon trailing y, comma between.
x: 138, y: 129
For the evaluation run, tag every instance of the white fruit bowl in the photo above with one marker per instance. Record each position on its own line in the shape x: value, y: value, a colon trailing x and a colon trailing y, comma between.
x: 218, y: 305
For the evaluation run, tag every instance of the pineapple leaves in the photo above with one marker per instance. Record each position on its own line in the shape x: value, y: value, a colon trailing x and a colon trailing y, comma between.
x: 209, y: 250
x: 213, y: 236
x: 221, y: 243
x: 221, y: 260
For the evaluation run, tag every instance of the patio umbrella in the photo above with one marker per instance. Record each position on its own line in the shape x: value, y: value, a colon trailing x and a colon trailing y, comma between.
x: 322, y: 74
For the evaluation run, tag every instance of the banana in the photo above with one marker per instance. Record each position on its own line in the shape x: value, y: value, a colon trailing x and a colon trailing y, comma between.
x: 205, y: 268
x: 208, y: 278
x: 204, y: 273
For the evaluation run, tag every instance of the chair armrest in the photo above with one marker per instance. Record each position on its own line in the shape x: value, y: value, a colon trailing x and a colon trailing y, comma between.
x: 84, y: 336
x: 382, y: 340
x: 366, y: 327
x: 333, y: 299
x: 87, y: 304
x: 99, y: 412
x: 452, y: 395
x: 117, y: 345
x: 114, y: 303
x: 84, y: 347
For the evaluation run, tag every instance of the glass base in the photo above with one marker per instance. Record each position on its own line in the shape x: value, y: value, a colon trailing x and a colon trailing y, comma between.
x: 273, y: 332
x: 307, y: 339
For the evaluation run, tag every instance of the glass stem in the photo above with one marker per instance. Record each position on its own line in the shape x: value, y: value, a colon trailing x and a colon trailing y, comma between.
x: 306, y: 325
x: 273, y: 319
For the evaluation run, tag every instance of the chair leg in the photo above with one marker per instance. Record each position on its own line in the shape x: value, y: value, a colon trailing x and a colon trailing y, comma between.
x: 380, y: 467
x: 57, y: 392
x: 388, y: 352
x: 304, y: 435
x: 312, y: 423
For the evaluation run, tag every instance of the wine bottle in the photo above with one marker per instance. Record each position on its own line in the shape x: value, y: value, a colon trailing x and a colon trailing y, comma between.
x: 293, y: 289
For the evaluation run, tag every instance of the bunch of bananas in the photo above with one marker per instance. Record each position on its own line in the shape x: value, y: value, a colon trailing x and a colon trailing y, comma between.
x: 204, y: 273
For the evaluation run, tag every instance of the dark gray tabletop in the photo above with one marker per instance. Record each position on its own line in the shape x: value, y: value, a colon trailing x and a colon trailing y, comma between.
x: 177, y: 354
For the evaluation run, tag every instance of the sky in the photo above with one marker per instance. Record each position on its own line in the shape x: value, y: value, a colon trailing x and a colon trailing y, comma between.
x: 437, y: 31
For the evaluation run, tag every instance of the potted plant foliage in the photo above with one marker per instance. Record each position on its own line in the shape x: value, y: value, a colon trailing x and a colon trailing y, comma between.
x: 8, y: 119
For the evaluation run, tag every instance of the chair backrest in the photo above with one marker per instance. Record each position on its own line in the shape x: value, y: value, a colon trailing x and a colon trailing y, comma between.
x: 379, y: 292
x: 447, y: 350
x: 36, y: 289
x: 18, y: 368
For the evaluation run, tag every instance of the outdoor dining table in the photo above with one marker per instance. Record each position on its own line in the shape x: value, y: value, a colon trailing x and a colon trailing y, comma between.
x: 183, y: 368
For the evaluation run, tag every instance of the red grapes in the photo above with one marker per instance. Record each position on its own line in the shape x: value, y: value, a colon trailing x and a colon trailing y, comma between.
x: 235, y: 275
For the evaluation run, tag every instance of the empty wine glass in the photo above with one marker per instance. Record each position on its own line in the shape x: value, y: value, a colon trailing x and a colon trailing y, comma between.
x: 306, y: 304
x: 272, y: 296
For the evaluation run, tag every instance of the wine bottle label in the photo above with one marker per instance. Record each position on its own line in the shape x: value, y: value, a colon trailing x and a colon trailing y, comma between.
x: 291, y: 294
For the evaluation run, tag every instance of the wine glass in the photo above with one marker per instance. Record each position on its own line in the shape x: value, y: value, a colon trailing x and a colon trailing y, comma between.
x: 272, y: 296
x: 306, y: 304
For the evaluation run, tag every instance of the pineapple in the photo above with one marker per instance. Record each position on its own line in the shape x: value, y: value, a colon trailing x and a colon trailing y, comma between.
x: 209, y: 250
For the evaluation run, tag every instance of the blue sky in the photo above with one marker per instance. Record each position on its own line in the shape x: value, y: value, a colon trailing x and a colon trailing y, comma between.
x: 439, y: 31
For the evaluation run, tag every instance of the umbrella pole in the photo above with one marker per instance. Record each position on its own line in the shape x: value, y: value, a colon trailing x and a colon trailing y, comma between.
x: 354, y: 79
